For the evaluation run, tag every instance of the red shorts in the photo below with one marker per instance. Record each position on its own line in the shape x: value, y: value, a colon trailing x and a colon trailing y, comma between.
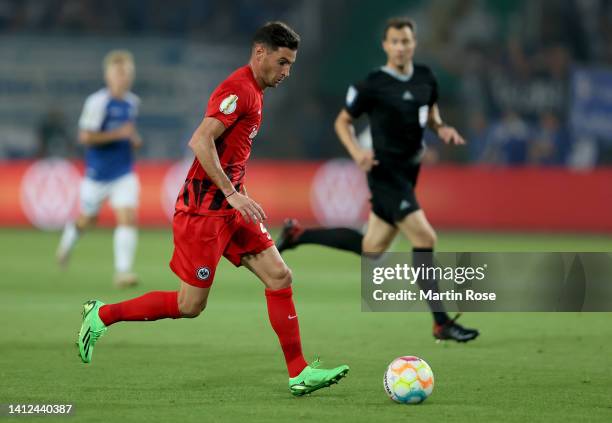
x: 200, y: 241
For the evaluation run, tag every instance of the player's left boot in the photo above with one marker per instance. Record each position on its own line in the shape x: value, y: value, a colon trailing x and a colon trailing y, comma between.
x: 451, y: 330
x: 92, y: 329
x: 291, y: 231
x: 312, y: 378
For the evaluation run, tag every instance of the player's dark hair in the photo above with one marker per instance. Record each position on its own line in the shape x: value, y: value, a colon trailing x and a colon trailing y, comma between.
x: 275, y: 35
x: 399, y: 23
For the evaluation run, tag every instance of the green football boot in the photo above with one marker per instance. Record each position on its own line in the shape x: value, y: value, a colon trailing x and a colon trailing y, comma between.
x: 313, y: 378
x: 92, y: 328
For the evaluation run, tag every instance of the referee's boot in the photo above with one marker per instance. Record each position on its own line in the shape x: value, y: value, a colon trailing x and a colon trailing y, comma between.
x: 289, y: 235
x: 453, y: 331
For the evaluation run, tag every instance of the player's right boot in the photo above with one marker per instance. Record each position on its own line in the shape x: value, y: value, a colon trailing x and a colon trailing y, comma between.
x: 290, y: 233
x: 453, y: 331
x: 92, y: 328
x: 312, y: 378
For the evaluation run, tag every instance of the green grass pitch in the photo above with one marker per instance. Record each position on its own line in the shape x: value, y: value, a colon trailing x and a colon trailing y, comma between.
x: 227, y: 366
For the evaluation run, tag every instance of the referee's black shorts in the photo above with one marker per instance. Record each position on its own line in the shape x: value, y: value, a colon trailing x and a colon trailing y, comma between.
x: 393, y: 191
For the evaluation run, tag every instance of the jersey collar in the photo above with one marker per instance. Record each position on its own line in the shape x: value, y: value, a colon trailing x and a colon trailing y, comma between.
x: 395, y: 74
x: 249, y: 71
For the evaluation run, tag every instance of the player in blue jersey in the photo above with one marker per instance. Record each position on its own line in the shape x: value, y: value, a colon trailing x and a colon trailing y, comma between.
x: 108, y: 132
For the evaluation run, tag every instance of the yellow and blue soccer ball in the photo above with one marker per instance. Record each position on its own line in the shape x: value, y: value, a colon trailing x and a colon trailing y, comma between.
x: 408, y: 380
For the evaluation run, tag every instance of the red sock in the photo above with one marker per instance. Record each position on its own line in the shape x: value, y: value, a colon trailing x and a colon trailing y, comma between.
x: 151, y: 306
x: 285, y: 323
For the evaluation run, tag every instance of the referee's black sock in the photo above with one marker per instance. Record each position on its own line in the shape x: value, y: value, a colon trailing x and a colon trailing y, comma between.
x: 424, y: 256
x: 342, y: 238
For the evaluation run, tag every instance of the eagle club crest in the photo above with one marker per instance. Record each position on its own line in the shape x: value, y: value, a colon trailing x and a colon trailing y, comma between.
x: 203, y: 273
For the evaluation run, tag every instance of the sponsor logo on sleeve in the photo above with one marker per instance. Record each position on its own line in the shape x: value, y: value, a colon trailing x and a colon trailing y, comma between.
x: 253, y: 133
x: 351, y: 95
x: 228, y: 105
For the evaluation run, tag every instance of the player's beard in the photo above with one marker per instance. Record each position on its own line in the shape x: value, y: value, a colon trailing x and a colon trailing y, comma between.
x: 275, y: 81
x: 270, y: 79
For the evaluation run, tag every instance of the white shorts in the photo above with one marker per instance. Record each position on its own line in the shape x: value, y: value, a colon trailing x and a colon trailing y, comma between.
x: 123, y: 193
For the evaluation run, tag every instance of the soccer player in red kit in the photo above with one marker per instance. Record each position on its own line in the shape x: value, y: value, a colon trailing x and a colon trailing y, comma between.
x: 215, y: 217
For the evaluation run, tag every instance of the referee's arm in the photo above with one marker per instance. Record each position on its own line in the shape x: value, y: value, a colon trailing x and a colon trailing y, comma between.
x: 446, y: 133
x: 346, y: 134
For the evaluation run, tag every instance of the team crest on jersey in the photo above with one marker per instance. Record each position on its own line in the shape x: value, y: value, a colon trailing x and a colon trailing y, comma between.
x: 228, y: 105
x: 203, y: 273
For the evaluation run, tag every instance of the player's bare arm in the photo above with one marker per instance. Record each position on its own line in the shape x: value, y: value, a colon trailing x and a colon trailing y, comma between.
x: 125, y: 131
x: 346, y: 133
x: 203, y: 145
x: 447, y: 134
x: 136, y: 140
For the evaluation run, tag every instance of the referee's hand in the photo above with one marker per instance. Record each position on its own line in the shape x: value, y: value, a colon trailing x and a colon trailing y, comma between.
x: 449, y: 135
x: 365, y: 159
x: 249, y: 209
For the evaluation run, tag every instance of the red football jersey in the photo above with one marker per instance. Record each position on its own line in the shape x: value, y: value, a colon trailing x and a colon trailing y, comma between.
x: 237, y: 102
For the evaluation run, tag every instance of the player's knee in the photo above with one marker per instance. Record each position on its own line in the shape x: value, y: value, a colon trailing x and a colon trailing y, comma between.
x: 126, y: 217
x: 285, y: 277
x: 128, y: 221
x: 425, y: 239
x: 85, y: 222
x: 374, y: 248
x: 131, y: 219
x: 282, y: 277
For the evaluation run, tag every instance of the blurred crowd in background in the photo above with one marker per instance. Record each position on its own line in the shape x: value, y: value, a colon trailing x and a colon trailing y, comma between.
x: 193, y: 18
x: 527, y: 82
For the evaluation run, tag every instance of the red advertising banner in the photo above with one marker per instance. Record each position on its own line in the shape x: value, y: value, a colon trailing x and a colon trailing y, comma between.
x: 46, y: 193
x: 541, y: 199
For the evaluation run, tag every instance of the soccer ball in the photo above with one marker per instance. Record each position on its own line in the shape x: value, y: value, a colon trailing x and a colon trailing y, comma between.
x: 408, y: 380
